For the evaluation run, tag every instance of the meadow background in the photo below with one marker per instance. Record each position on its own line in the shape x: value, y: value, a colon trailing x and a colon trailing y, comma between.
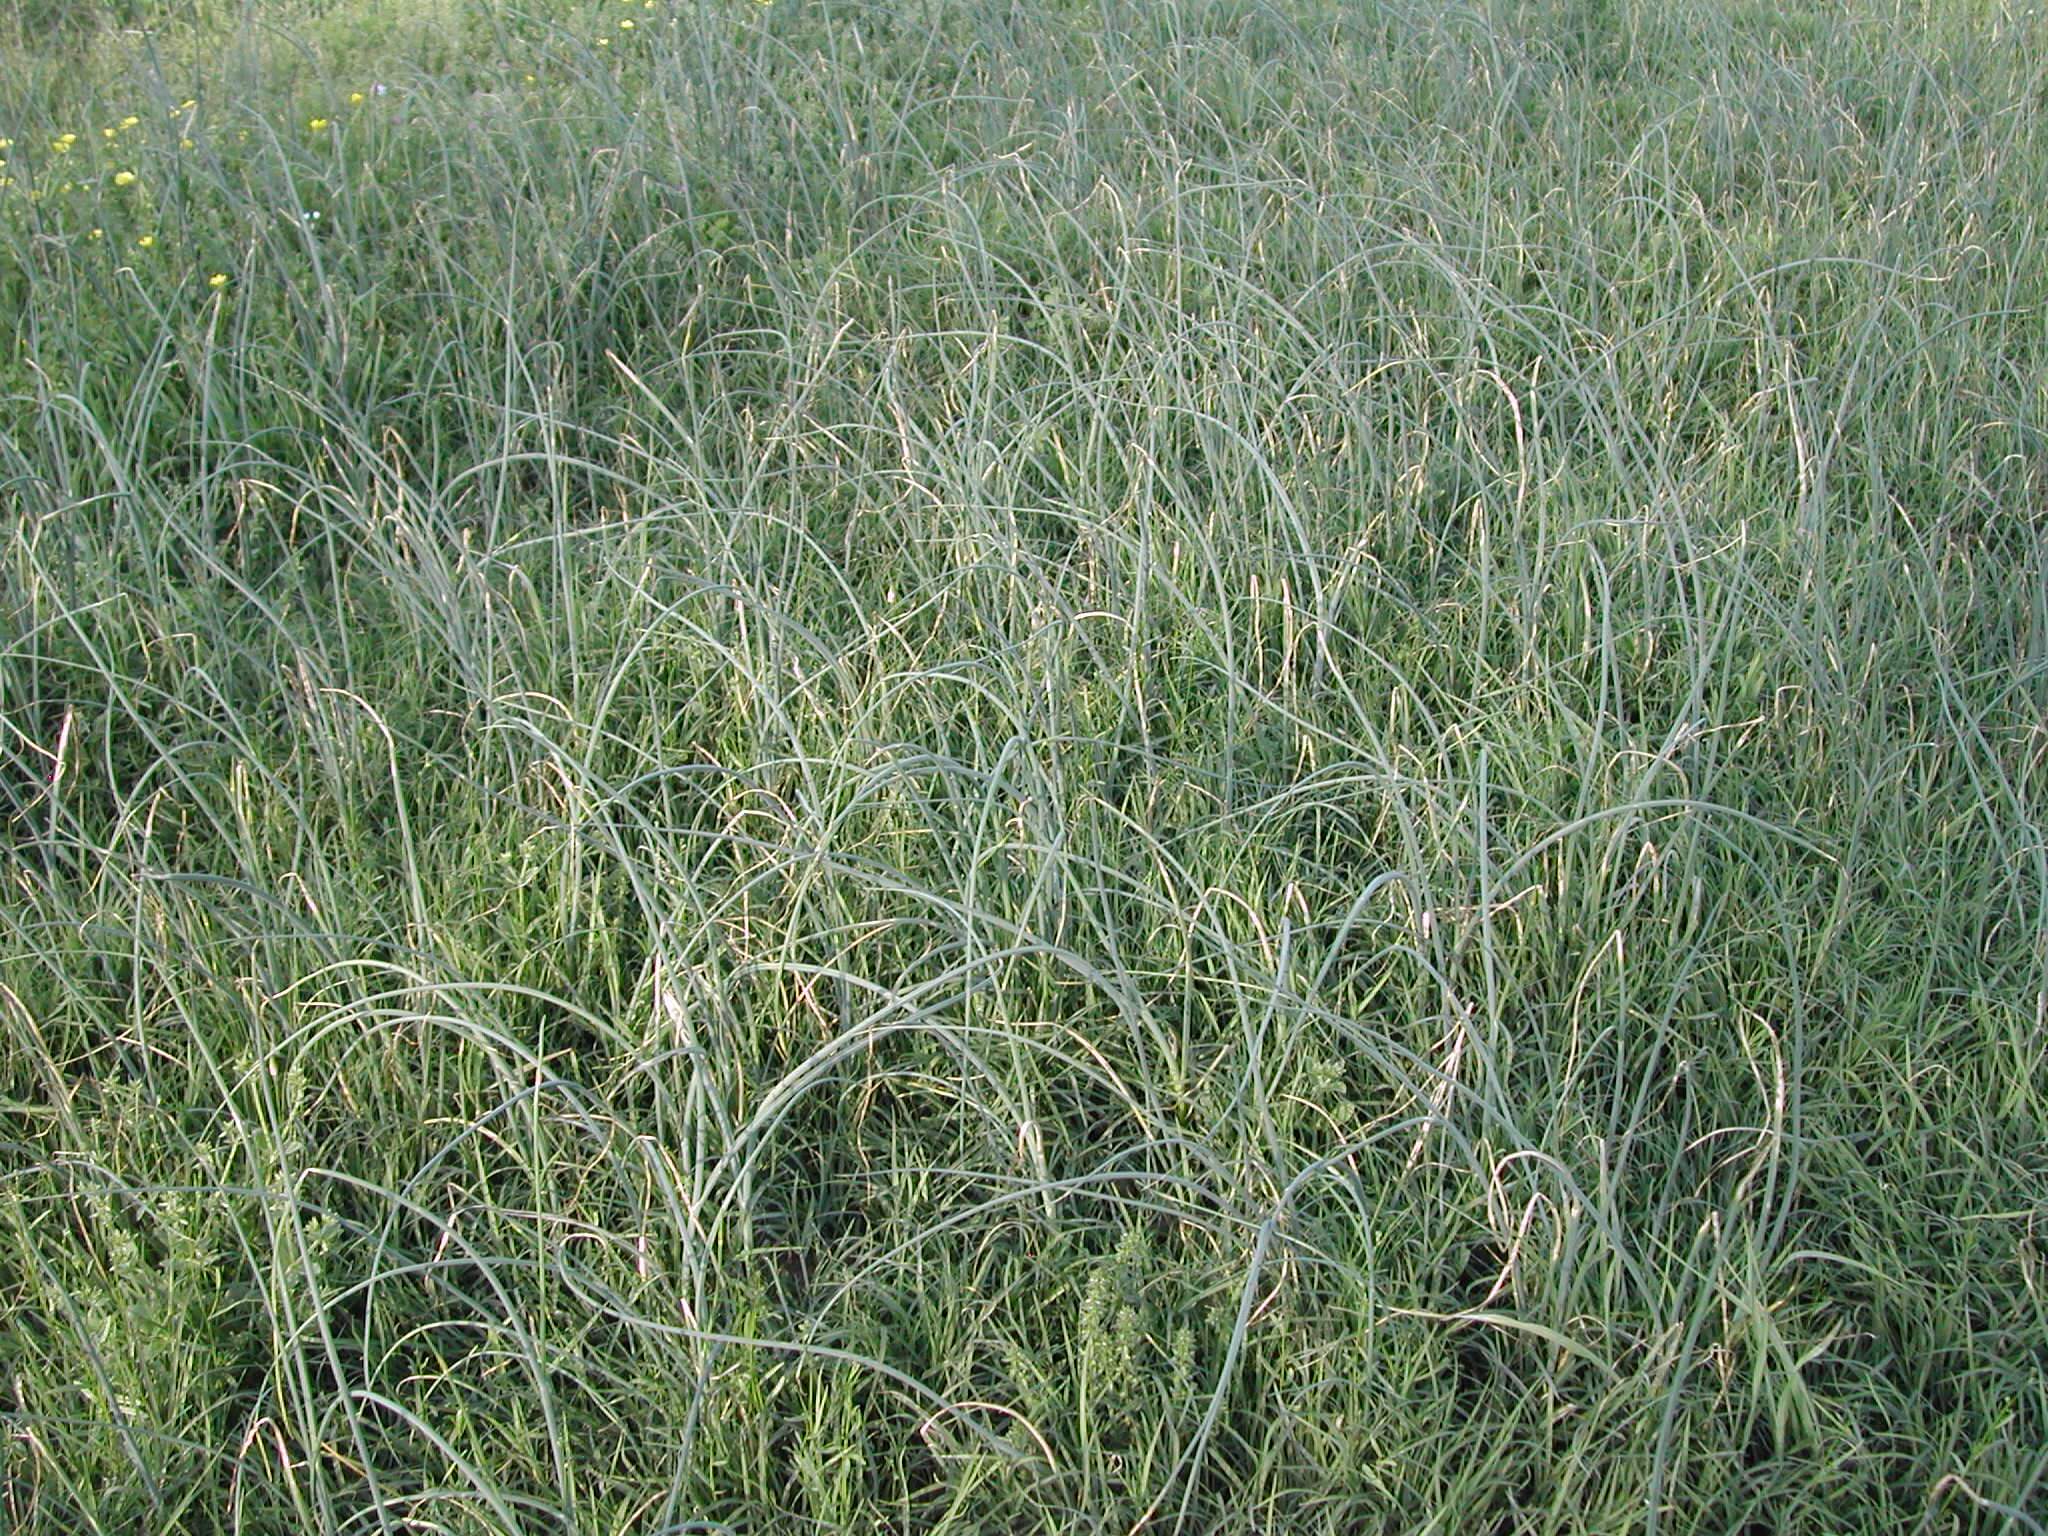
x: 1203, y: 765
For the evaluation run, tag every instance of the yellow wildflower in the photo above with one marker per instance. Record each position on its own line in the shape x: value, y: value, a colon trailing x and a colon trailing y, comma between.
x: 124, y: 178
x: 94, y: 234
x: 356, y: 98
x: 626, y: 25
x: 218, y: 280
x: 316, y: 123
x: 186, y: 144
x: 129, y: 122
x: 108, y: 133
x: 145, y: 243
x: 60, y: 146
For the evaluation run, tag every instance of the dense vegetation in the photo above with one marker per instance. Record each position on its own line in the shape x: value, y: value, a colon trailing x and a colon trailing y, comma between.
x: 1211, y: 765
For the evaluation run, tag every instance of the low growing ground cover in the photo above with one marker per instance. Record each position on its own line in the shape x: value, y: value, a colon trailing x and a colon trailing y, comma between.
x: 1221, y: 765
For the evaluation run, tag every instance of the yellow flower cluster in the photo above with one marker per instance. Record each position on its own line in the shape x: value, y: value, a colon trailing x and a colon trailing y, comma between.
x: 626, y: 24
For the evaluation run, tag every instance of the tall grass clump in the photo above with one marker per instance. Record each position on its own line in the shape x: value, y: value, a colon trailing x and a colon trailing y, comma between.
x: 1229, y: 765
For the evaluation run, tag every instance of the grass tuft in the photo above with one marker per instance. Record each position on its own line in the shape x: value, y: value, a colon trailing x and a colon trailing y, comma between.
x: 1239, y: 766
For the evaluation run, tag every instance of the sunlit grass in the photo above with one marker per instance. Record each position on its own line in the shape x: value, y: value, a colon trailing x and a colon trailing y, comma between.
x: 1227, y: 767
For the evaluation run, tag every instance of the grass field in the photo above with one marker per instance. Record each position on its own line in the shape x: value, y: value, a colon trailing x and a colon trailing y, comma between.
x: 1144, y: 765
